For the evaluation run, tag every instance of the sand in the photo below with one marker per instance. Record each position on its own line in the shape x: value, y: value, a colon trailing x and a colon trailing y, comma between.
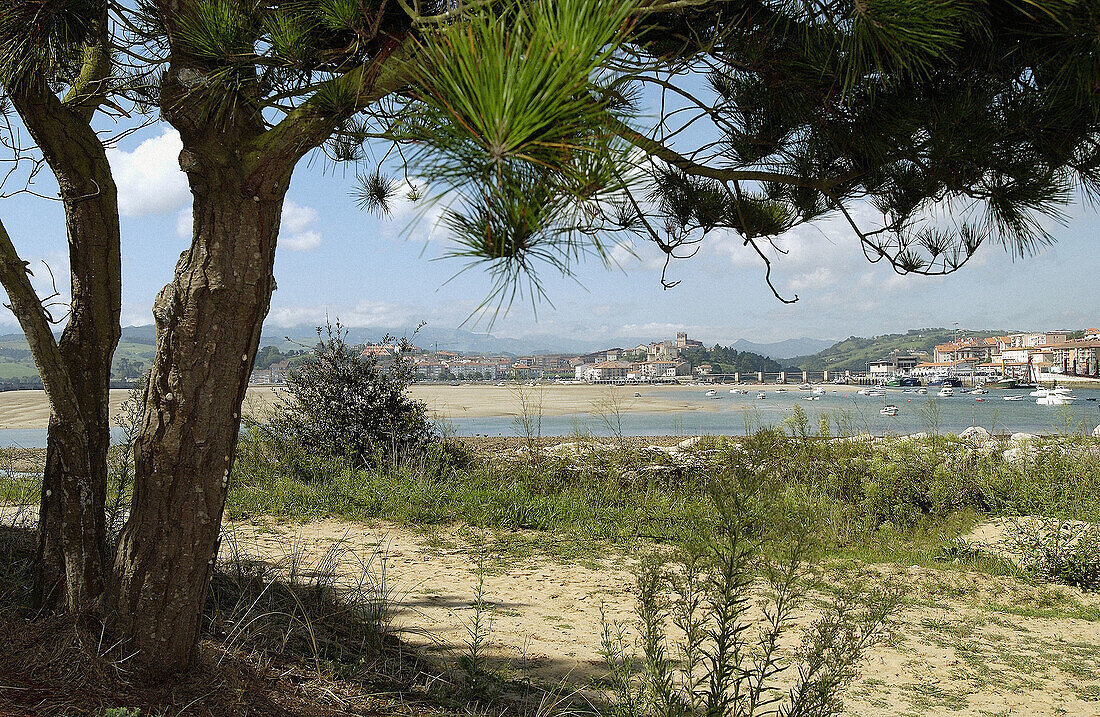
x: 952, y: 652
x: 28, y: 409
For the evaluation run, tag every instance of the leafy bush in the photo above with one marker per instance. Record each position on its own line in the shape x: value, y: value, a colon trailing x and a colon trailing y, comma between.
x: 342, y: 403
x: 1060, y: 551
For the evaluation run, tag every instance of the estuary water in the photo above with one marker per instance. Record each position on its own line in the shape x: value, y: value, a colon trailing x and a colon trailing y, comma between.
x: 846, y: 411
x: 737, y: 414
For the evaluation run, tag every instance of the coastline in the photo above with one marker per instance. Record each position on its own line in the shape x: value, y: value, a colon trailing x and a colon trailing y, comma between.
x: 29, y: 409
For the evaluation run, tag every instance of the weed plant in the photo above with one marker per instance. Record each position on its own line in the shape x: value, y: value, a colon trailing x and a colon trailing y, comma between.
x: 727, y: 652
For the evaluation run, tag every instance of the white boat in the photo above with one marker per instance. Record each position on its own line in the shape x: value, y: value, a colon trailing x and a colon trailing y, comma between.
x: 1056, y: 399
x: 761, y: 395
x: 738, y: 391
x: 811, y: 398
x: 889, y: 410
x: 818, y: 391
x: 1057, y: 390
x: 978, y: 391
x: 1014, y: 398
x: 922, y: 391
x: 946, y: 392
x: 805, y: 387
x: 875, y: 393
x: 711, y: 394
x: 864, y: 392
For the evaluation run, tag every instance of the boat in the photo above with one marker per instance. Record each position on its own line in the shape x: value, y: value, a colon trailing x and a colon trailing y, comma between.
x: 738, y: 391
x: 864, y: 392
x: 889, y: 410
x: 780, y: 390
x: 818, y: 391
x: 922, y: 391
x: 761, y: 395
x: 946, y: 392
x: 711, y: 394
x: 1056, y: 399
x: 978, y: 391
x: 1017, y: 397
x: 637, y: 395
x: 875, y: 393
x: 811, y: 397
x: 805, y: 387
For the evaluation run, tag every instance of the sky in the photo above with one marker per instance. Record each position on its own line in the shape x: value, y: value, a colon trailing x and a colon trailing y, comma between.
x: 336, y: 260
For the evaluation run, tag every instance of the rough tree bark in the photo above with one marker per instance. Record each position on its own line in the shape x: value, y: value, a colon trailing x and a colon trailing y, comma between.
x: 71, y: 536
x: 208, y: 324
x: 208, y: 330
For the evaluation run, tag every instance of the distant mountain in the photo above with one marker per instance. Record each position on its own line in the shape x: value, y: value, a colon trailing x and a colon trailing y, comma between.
x: 855, y: 353
x: 431, y: 337
x: 783, y: 349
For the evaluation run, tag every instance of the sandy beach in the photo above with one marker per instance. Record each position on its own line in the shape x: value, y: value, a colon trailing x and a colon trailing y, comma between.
x: 28, y: 409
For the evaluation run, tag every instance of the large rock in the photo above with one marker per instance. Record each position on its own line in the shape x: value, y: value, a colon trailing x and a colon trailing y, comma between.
x: 1022, y: 437
x: 689, y: 443
x: 1096, y: 432
x: 975, y: 433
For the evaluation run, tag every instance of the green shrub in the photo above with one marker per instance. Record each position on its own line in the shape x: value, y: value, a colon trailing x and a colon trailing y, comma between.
x: 342, y: 403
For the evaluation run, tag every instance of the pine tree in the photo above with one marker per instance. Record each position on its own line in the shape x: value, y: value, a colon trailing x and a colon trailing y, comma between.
x: 526, y: 119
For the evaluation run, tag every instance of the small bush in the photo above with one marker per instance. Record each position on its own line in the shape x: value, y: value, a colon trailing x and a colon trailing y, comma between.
x: 1059, y: 551
x: 342, y: 403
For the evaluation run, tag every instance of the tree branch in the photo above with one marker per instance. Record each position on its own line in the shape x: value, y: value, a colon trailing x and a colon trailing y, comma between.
x: 307, y: 126
x: 27, y: 308
x: 655, y: 149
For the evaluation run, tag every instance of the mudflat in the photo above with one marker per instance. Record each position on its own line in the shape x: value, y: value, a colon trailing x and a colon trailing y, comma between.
x: 29, y: 409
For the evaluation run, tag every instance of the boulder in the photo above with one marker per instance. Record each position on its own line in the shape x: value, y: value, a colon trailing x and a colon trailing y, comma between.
x: 565, y: 449
x: 1096, y: 432
x: 689, y: 443
x: 1012, y: 455
x: 1022, y: 437
x: 975, y: 433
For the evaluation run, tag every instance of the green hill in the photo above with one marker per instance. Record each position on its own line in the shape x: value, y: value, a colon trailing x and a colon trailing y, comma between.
x: 855, y: 353
x: 132, y: 358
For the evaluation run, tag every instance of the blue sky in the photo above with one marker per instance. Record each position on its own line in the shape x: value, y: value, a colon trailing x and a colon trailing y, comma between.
x: 335, y: 259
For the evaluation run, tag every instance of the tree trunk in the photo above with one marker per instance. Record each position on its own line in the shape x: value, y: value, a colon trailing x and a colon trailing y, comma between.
x: 72, y: 543
x: 208, y: 330
x: 74, y: 491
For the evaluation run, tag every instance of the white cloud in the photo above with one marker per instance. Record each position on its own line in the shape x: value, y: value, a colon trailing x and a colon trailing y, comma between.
x: 184, y: 223
x: 149, y: 178
x: 296, y: 230
x: 296, y: 218
x: 365, y: 313
x: 302, y: 242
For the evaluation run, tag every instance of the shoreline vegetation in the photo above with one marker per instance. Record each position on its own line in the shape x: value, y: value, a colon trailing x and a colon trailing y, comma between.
x: 512, y: 572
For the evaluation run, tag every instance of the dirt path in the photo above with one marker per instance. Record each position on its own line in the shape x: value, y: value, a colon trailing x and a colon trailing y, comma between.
x: 970, y: 644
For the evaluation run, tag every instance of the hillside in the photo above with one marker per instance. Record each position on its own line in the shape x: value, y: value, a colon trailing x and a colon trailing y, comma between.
x: 855, y: 353
x: 133, y: 356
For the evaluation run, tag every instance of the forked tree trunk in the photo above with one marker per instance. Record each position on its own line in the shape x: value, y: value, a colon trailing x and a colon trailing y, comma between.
x: 71, y: 546
x: 208, y: 330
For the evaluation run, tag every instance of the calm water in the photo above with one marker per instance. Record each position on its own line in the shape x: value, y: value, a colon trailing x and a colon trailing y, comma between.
x: 737, y: 413
x: 734, y: 414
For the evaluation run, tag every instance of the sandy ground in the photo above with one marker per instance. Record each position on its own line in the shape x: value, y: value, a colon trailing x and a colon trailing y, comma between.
x: 28, y: 409
x: 956, y: 650
x: 966, y: 645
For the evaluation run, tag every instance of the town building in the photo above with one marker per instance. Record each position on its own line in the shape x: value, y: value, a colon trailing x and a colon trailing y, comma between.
x: 1078, y: 357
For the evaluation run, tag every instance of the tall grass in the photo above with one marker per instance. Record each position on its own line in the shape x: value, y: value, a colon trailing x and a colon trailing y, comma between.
x: 863, y: 488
